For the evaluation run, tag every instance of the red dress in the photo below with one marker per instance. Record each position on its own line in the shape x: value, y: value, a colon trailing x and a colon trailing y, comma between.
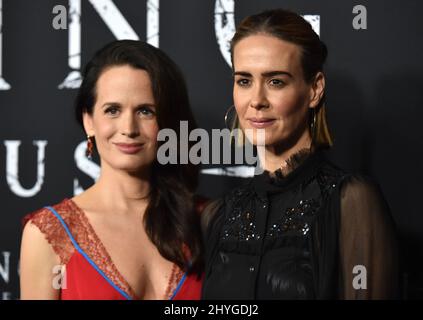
x: 90, y: 272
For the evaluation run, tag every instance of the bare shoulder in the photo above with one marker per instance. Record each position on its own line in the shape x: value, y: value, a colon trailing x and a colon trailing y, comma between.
x: 45, y: 250
x: 40, y: 233
x: 37, y: 264
x: 36, y: 241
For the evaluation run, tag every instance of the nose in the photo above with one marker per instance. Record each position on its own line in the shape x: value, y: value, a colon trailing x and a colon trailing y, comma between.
x: 259, y: 99
x: 130, y: 126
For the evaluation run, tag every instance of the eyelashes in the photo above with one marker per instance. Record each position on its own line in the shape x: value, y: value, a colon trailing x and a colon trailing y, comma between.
x: 274, y: 82
x: 143, y: 111
x: 277, y: 83
x: 146, y: 111
x: 112, y: 110
x: 243, y: 82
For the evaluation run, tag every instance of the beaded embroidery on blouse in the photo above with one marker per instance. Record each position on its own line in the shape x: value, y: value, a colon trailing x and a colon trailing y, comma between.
x: 297, y: 219
x: 240, y: 224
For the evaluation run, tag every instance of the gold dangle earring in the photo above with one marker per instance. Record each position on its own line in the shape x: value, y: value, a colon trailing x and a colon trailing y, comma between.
x: 90, y: 147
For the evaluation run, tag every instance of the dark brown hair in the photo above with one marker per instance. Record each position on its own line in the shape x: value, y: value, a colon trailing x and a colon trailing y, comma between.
x: 170, y: 219
x: 291, y: 27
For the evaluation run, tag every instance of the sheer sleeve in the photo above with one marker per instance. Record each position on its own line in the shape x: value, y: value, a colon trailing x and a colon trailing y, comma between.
x: 368, y: 243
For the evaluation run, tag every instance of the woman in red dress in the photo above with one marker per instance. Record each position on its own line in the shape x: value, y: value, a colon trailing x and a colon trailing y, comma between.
x: 135, y: 233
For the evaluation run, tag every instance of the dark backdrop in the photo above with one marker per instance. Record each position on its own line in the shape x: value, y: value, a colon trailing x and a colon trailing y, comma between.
x: 375, y: 95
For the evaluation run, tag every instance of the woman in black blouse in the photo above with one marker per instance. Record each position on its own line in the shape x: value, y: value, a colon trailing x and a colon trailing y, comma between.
x: 304, y: 229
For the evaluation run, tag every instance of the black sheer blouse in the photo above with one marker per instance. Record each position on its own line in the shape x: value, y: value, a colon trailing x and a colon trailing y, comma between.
x: 314, y: 232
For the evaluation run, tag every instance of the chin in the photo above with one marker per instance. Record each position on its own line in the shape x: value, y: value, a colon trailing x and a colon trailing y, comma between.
x: 269, y: 138
x: 133, y: 166
x: 267, y: 143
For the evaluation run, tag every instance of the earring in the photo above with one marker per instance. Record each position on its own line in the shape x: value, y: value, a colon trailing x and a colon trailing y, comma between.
x: 313, y: 125
x: 90, y: 146
x: 232, y: 123
x: 227, y: 116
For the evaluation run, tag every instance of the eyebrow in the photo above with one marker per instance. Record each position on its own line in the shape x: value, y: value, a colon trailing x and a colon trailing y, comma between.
x: 264, y: 74
x: 111, y: 103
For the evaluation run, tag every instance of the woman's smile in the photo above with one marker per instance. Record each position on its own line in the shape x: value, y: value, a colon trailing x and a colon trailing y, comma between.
x: 129, y: 148
x: 261, y: 123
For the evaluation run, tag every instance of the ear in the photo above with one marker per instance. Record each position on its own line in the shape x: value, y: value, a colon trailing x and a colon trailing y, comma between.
x: 317, y: 90
x: 87, y: 120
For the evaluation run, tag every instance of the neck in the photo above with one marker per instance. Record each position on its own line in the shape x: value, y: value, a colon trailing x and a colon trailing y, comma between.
x: 122, y: 190
x: 276, y: 156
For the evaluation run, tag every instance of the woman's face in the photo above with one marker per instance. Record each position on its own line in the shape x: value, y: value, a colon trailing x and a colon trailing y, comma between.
x: 270, y: 92
x: 124, y: 121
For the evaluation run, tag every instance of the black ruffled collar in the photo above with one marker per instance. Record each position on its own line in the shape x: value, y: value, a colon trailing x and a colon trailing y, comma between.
x: 292, y: 163
x: 299, y: 165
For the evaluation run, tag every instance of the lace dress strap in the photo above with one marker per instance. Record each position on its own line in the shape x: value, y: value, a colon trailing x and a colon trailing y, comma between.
x: 45, y: 220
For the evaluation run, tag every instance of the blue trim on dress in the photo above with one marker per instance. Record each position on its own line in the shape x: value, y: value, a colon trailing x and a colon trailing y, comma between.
x: 181, y: 282
x: 78, y: 248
